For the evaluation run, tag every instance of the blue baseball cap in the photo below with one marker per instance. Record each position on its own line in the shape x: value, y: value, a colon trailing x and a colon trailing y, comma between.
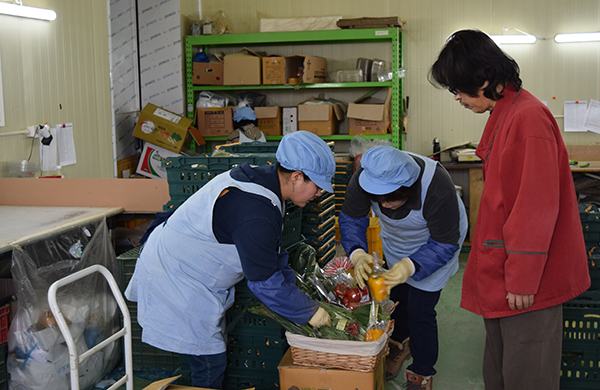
x: 307, y: 152
x: 385, y: 169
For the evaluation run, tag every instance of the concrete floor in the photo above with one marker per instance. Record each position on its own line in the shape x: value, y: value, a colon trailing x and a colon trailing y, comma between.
x: 461, y: 337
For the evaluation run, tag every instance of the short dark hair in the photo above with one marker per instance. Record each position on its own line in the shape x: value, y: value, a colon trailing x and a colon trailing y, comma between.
x: 402, y: 193
x: 281, y: 169
x: 469, y: 59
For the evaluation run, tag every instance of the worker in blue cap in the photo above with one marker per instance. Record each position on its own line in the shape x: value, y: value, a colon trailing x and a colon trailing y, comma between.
x: 423, y: 225
x: 229, y: 229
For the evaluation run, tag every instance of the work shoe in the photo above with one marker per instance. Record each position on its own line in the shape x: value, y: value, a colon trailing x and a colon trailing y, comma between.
x: 418, y: 382
x: 399, y: 352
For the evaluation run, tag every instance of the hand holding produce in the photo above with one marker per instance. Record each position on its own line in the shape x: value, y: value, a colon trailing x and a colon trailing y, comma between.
x: 377, y: 288
x: 320, y: 318
x: 399, y: 273
x: 362, y: 269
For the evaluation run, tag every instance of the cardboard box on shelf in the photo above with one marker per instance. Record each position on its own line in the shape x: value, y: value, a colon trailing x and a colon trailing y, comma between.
x: 207, y: 73
x: 214, y: 121
x: 289, y: 119
x: 315, y: 69
x: 242, y: 68
x: 269, y: 120
x: 162, y: 128
x: 273, y: 69
x: 319, y: 118
x: 151, y: 159
x: 166, y: 384
x: 313, y: 378
x: 366, y: 118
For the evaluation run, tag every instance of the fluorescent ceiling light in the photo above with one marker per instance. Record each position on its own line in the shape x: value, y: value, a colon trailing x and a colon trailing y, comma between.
x: 27, y: 12
x: 577, y: 37
x: 513, y: 39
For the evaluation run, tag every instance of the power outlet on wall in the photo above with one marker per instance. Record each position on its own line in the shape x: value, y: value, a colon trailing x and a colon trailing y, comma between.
x: 31, y: 131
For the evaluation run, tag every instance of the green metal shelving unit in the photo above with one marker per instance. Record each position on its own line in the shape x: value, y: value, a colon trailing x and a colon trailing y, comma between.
x: 348, y: 36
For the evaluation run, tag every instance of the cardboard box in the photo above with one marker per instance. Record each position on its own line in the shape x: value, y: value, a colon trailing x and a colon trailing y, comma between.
x: 293, y: 376
x: 162, y: 128
x: 315, y: 69
x: 207, y: 73
x: 243, y: 68
x: 289, y: 120
x: 151, y: 159
x: 273, y: 70
x: 165, y: 384
x: 365, y: 118
x: 214, y: 121
x: 269, y: 120
x: 316, y: 118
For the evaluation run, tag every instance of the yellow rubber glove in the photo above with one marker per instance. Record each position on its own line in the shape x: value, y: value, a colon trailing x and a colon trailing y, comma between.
x: 399, y: 273
x: 320, y: 318
x: 362, y: 269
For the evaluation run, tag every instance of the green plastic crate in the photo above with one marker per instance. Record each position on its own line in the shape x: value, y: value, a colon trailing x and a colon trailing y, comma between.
x: 186, y: 175
x: 580, y: 371
x: 292, y: 225
x: 251, y: 147
x: 316, y: 228
x: 126, y: 263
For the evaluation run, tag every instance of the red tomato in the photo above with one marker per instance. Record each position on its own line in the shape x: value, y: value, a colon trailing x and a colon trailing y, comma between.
x: 353, y: 294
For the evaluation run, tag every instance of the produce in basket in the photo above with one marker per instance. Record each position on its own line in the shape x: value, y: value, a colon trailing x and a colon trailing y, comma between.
x: 343, y: 263
x: 346, y: 325
x: 377, y: 288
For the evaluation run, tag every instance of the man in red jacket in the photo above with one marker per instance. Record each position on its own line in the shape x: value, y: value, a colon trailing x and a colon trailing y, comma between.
x: 528, y: 253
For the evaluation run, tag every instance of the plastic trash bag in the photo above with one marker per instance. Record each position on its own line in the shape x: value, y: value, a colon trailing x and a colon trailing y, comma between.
x: 38, y: 355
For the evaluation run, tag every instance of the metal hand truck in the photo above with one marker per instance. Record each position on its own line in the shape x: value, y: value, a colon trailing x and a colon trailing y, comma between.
x: 74, y: 358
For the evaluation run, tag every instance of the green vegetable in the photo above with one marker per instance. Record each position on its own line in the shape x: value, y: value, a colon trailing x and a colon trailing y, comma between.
x: 303, y: 259
x: 585, y: 164
x: 572, y: 162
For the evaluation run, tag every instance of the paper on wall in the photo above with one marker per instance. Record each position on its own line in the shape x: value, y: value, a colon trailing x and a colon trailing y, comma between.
x: 591, y: 121
x: 66, y: 144
x: 48, y: 153
x: 574, y: 115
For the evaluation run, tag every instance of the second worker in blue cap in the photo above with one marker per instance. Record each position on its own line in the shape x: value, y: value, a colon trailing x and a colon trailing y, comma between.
x: 423, y: 225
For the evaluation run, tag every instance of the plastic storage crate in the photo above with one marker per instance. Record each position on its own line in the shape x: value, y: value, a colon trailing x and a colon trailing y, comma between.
x: 580, y: 368
x: 3, y: 368
x: 251, y: 147
x: 186, y: 175
x: 126, y: 263
x: 4, y: 322
x: 292, y: 226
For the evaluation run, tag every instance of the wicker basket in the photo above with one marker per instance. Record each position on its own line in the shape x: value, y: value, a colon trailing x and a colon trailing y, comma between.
x: 327, y: 359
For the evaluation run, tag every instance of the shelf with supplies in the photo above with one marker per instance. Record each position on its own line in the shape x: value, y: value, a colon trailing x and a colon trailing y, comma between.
x: 387, y: 36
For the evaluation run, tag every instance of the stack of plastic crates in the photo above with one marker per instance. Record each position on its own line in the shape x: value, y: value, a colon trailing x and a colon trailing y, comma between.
x: 186, y: 175
x: 255, y: 346
x: 343, y: 173
x: 580, y: 368
x: 145, y: 356
x: 318, y: 227
x: 589, y: 213
x: 4, y: 326
x: 581, y: 316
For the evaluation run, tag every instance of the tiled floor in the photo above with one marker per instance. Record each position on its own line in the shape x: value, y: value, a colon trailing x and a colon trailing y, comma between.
x: 461, y: 336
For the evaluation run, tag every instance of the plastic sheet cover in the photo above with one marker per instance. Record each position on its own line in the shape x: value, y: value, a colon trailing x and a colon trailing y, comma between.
x: 38, y: 355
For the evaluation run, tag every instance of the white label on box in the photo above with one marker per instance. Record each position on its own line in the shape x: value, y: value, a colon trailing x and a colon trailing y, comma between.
x: 167, y: 115
x: 147, y: 127
x: 289, y: 120
x: 384, y: 32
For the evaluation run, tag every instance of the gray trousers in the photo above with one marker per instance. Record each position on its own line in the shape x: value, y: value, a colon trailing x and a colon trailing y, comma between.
x: 523, y: 351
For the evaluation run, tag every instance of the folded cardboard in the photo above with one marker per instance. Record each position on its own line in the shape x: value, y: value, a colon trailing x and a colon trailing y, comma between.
x: 162, y: 128
x: 314, y: 69
x: 289, y: 120
x: 273, y: 70
x: 242, y: 68
x: 269, y: 120
x: 166, y: 384
x: 368, y: 118
x: 207, y: 73
x: 293, y: 376
x: 151, y: 159
x: 214, y: 121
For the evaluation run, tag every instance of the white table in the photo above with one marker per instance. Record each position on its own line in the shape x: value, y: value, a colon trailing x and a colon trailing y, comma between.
x: 23, y: 224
